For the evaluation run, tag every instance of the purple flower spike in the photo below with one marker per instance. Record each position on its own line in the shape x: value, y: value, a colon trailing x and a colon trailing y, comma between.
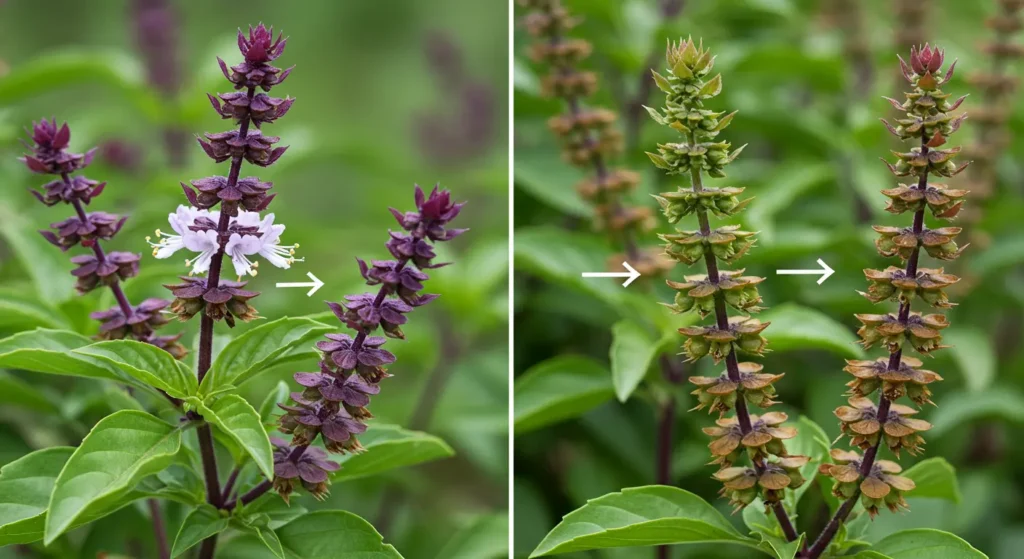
x: 50, y: 154
x: 333, y: 405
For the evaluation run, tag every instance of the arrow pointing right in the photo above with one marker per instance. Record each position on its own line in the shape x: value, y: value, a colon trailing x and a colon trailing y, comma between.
x: 632, y: 274
x: 315, y: 284
x: 825, y: 272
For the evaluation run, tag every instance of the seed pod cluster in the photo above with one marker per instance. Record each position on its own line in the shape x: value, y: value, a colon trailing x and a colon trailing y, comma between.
x: 749, y: 449
x: 870, y: 425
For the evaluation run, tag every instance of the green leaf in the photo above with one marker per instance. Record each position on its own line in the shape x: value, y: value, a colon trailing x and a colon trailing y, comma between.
x: 25, y: 486
x: 561, y: 256
x: 18, y: 393
x: 201, y: 523
x: 543, y: 175
x: 766, y: 526
x: 236, y: 418
x: 259, y: 525
x: 47, y: 267
x: 121, y: 449
x: 276, y: 510
x: 269, y: 409
x: 786, y: 185
x: 935, y: 478
x: 1006, y: 251
x: 811, y: 441
x: 631, y: 353
x: 484, y: 538
x: 974, y: 352
x: 639, y: 516
x: 958, y: 408
x: 389, y: 447
x: 51, y: 352
x: 925, y: 543
x: 560, y: 388
x: 257, y: 349
x: 784, y: 549
x: 18, y: 312
x: 146, y: 363
x: 334, y: 534
x: 110, y: 68
x: 795, y: 327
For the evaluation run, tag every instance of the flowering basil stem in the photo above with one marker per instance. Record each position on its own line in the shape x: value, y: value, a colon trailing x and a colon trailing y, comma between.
x: 223, y: 218
x: 333, y: 404
x: 875, y: 483
x: 50, y: 156
x: 589, y: 136
x: 748, y: 449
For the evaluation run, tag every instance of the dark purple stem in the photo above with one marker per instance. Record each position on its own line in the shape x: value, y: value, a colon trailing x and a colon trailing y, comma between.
x: 252, y: 495
x: 732, y: 366
x: 823, y: 541
x: 209, y: 545
x: 213, y: 492
x: 156, y: 515
x: 230, y: 485
x: 666, y: 423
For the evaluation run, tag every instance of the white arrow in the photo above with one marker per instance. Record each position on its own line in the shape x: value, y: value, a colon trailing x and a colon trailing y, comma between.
x: 825, y: 272
x: 631, y: 274
x: 315, y: 284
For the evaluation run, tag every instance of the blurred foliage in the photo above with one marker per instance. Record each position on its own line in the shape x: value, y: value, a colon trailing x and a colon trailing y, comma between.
x: 388, y: 94
x: 809, y: 114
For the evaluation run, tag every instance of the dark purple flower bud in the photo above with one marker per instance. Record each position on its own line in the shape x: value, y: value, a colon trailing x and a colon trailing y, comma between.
x: 115, y: 266
x: 338, y: 429
x: 259, y: 49
x: 255, y: 147
x: 75, y: 188
x: 405, y: 246
x: 360, y: 313
x: 262, y: 108
x: 435, y: 211
x: 71, y: 231
x: 145, y: 319
x: 260, y: 46
x: 49, y: 150
x: 226, y: 302
x: 250, y: 192
x: 341, y: 351
x: 397, y: 278
x: 311, y: 470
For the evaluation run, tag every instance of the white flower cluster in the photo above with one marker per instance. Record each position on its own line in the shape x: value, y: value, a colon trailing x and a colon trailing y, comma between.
x: 239, y: 247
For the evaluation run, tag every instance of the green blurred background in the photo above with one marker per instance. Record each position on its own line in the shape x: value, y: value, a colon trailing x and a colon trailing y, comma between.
x: 388, y: 94
x: 809, y: 111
